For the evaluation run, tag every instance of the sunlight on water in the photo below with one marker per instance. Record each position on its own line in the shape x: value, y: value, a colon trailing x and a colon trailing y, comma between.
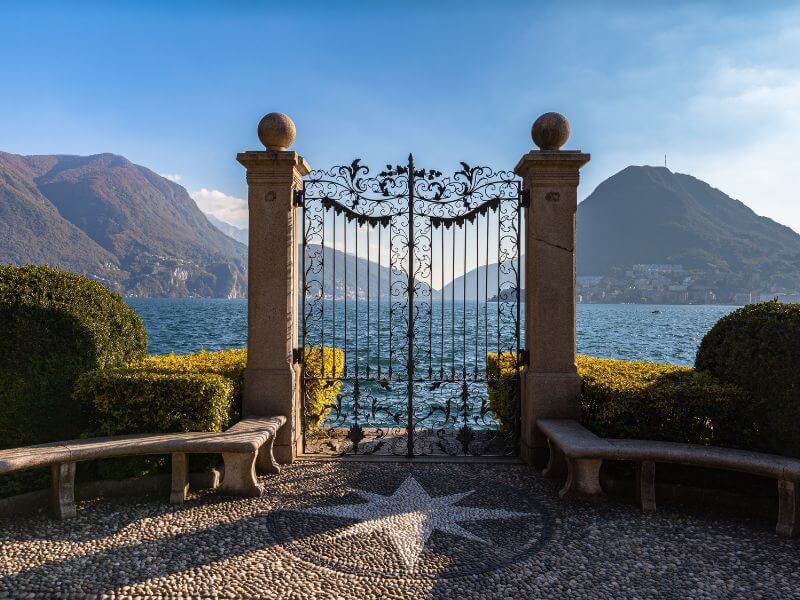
x: 668, y: 334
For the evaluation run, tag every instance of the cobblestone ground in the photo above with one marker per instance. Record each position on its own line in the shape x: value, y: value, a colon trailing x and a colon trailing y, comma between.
x: 385, y: 530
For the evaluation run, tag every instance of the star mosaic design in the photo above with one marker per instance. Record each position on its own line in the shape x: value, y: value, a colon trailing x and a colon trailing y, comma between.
x: 409, y: 516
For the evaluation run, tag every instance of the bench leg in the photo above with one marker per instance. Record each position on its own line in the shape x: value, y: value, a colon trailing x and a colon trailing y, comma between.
x: 240, y: 475
x: 583, y: 479
x: 788, y: 508
x: 556, y: 463
x: 646, y: 486
x: 62, y: 499
x: 266, y: 460
x: 180, y: 478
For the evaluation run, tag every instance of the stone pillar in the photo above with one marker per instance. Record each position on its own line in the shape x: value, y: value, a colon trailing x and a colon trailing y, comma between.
x: 550, y: 176
x: 271, y: 382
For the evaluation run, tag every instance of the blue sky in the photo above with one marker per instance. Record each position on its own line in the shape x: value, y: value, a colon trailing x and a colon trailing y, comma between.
x: 180, y: 86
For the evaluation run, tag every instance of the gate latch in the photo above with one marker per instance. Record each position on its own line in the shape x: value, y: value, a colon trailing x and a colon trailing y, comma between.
x: 525, y: 197
x: 299, y: 197
x: 297, y: 356
x: 524, y: 357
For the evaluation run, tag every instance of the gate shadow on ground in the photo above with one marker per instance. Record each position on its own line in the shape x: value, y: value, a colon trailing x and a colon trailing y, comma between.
x: 105, y: 571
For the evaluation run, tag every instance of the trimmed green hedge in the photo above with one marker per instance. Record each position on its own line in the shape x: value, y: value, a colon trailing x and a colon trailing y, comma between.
x: 641, y: 400
x: 53, y: 327
x: 128, y: 400
x: 502, y: 372
x: 634, y: 399
x: 172, y: 393
x: 758, y: 348
x: 322, y: 388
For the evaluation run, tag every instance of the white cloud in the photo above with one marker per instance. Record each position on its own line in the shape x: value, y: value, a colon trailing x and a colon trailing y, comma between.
x: 756, y: 111
x: 226, y: 208
x: 174, y: 177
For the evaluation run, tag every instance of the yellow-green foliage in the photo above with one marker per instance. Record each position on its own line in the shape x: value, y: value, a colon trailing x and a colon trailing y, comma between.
x: 635, y: 399
x: 227, y: 363
x: 324, y: 366
x: 502, y: 382
x: 131, y: 400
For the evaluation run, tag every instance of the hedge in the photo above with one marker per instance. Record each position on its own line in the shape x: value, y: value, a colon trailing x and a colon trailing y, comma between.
x: 641, y: 400
x: 53, y: 327
x: 229, y: 364
x: 130, y: 400
x: 635, y: 399
x: 503, y: 382
x: 324, y: 366
x: 758, y: 348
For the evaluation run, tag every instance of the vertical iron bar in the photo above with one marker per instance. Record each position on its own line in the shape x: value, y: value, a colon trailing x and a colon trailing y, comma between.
x: 430, y: 300
x: 464, y: 309
x: 333, y: 310
x: 453, y: 309
x: 477, y: 290
x: 345, y: 222
x: 499, y: 299
x: 441, y: 355
x: 369, y: 311
x: 410, y: 334
x: 304, y: 326
x: 357, y: 325
x: 486, y: 294
x: 518, y: 414
x: 322, y: 293
x: 380, y: 266
x: 389, y: 301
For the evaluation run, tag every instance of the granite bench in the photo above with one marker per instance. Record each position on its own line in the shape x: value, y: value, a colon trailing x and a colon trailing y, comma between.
x: 580, y: 453
x: 246, y: 447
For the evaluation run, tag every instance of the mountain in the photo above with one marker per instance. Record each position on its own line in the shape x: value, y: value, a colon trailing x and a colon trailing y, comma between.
x: 651, y: 215
x: 475, y: 280
x: 373, y: 279
x: 237, y: 233
x: 117, y: 222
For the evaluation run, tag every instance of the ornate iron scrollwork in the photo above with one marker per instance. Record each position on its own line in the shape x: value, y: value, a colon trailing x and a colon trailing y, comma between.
x: 414, y: 376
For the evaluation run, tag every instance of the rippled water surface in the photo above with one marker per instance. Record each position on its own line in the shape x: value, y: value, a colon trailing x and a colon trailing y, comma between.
x: 668, y: 334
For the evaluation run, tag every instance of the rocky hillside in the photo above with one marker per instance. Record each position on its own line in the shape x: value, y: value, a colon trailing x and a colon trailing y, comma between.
x: 117, y: 222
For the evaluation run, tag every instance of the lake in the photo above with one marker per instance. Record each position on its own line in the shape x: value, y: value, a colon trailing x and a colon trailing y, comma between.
x: 667, y: 334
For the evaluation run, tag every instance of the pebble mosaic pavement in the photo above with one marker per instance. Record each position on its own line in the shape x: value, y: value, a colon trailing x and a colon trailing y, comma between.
x: 394, y: 530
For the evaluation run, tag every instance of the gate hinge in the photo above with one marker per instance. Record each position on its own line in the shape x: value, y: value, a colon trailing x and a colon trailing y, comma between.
x: 524, y: 357
x: 525, y: 197
x: 299, y: 197
x: 297, y: 356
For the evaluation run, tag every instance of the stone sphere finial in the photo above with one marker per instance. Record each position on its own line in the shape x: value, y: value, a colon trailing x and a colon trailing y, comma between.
x: 550, y: 131
x: 276, y: 131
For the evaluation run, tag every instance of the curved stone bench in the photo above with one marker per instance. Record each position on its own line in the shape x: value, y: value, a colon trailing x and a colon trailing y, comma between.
x: 245, y: 448
x: 580, y: 453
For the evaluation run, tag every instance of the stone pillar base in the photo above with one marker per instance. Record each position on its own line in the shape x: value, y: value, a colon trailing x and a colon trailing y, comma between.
x: 547, y: 396
x: 269, y: 393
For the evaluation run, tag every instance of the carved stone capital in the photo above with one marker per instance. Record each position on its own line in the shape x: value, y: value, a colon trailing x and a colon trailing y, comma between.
x: 274, y: 168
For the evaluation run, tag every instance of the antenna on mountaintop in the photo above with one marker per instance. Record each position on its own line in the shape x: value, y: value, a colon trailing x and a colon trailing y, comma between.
x: 665, y: 161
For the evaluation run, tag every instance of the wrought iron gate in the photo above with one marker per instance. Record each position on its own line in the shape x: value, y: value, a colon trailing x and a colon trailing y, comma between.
x: 410, y: 311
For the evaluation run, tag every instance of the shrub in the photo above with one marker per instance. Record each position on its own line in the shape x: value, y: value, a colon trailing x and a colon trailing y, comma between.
x: 324, y: 366
x: 130, y: 400
x: 53, y: 327
x: 758, y: 348
x: 503, y: 383
x: 628, y: 399
x: 227, y: 363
